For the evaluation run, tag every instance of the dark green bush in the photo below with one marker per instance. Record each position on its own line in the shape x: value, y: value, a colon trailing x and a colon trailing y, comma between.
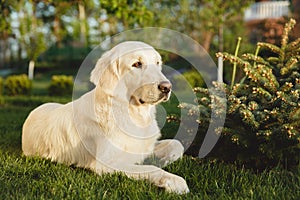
x: 193, y: 78
x: 262, y: 125
x: 1, y: 86
x: 61, y: 85
x: 1, y: 91
x: 17, y: 85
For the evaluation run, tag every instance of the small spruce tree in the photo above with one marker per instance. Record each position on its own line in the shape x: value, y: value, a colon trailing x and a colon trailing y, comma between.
x: 262, y: 126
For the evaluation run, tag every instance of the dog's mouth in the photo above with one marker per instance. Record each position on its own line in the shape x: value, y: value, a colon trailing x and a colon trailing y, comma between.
x: 163, y: 97
x: 142, y: 101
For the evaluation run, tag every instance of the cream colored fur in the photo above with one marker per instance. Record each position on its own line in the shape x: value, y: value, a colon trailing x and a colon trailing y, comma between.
x: 113, y: 127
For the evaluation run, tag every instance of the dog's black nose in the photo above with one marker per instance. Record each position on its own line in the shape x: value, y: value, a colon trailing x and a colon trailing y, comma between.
x: 165, y: 86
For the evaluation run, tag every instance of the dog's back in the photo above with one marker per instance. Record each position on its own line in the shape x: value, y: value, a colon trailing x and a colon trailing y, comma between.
x: 43, y: 135
x: 34, y: 130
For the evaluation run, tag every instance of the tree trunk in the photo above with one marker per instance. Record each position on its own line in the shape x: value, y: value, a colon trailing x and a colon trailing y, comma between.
x: 31, y: 69
x: 221, y: 49
x: 82, y: 20
x: 207, y: 40
x: 56, y: 27
x: 20, y: 50
x: 220, y: 69
x: 2, y: 54
x: 34, y: 27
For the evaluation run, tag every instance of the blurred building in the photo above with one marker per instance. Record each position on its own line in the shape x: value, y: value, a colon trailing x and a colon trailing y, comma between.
x: 265, y: 19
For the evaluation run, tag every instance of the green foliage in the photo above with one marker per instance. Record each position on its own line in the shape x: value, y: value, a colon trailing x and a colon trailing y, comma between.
x: 262, y: 127
x: 193, y: 78
x: 128, y: 13
x: 218, y: 12
x: 40, y: 24
x: 32, y: 37
x: 17, y: 85
x: 1, y: 91
x: 1, y: 86
x: 61, y: 85
x: 5, y: 26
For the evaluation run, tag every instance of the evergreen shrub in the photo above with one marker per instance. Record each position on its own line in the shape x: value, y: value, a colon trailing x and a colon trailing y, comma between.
x: 17, y: 85
x: 61, y: 85
x: 262, y: 125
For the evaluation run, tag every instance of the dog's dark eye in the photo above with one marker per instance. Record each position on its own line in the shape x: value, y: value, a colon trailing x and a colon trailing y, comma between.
x: 137, y: 65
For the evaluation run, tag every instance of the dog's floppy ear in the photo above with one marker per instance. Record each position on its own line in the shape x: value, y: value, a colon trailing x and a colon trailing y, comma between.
x: 100, y: 67
x: 107, y: 65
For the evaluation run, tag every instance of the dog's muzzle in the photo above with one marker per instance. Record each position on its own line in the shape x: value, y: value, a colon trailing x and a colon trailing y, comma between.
x: 152, y: 93
x: 165, y: 87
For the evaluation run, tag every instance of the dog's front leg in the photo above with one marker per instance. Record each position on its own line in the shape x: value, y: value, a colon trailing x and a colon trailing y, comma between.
x: 168, y: 151
x: 159, y: 177
x: 117, y: 160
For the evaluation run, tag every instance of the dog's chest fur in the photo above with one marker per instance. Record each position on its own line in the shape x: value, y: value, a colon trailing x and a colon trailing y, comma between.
x: 133, y: 130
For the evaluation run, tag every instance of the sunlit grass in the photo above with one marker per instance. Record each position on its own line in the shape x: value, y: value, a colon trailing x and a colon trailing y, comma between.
x: 35, y: 178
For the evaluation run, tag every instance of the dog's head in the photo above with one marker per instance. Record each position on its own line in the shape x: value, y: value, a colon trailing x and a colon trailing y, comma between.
x: 132, y: 71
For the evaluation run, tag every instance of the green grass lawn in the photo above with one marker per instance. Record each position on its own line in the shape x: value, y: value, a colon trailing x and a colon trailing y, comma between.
x: 35, y: 178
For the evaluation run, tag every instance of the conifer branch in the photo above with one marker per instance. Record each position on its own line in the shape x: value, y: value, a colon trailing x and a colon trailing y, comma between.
x: 287, y: 29
x: 293, y: 46
x: 271, y: 47
x: 289, y: 66
x: 251, y: 57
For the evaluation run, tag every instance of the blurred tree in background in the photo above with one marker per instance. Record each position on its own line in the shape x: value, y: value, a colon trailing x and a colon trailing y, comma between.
x: 32, y: 36
x: 50, y: 31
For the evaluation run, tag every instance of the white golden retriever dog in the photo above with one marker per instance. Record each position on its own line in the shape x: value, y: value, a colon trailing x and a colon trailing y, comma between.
x: 113, y: 127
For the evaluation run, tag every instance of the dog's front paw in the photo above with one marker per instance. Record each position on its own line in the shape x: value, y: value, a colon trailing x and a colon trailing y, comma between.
x: 174, y: 183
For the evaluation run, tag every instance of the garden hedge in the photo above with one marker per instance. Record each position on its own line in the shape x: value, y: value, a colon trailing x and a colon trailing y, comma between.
x: 17, y: 85
x: 61, y: 85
